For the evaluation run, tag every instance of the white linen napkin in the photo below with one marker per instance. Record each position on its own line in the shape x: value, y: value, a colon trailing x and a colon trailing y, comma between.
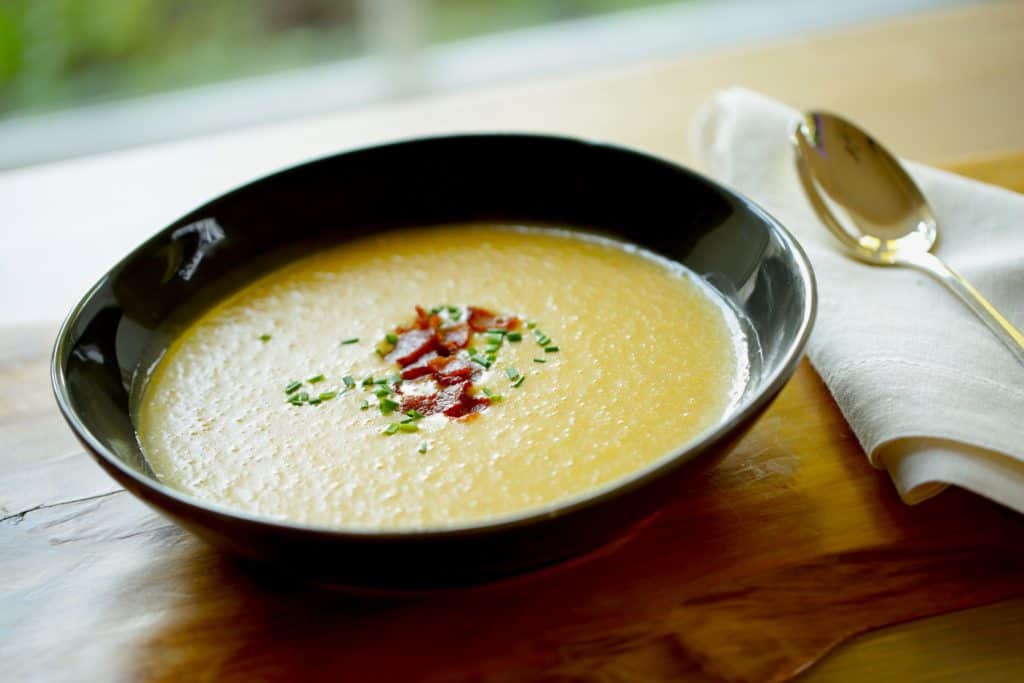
x: 932, y: 395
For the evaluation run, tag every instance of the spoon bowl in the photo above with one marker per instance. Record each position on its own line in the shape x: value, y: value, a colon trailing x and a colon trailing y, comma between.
x: 844, y: 170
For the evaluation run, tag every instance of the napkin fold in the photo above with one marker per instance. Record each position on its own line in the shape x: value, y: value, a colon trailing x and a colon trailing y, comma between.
x: 932, y: 395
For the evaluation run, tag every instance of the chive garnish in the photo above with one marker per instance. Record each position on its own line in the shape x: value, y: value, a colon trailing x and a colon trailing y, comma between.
x: 394, y: 379
x: 408, y: 427
x: 514, y: 336
x: 292, y: 387
x: 382, y: 380
x: 387, y: 406
x: 381, y: 393
x: 539, y: 360
x: 391, y: 428
x: 315, y: 378
x: 327, y: 395
x: 315, y: 401
x: 512, y: 373
x: 423, y: 447
x: 365, y: 405
x: 414, y: 414
x: 367, y: 381
x: 392, y: 338
x: 453, y: 309
x: 353, y: 340
x: 264, y: 337
x: 349, y: 382
x: 530, y: 325
x: 550, y: 349
x: 487, y: 392
x: 498, y: 331
x: 303, y: 396
x: 519, y: 381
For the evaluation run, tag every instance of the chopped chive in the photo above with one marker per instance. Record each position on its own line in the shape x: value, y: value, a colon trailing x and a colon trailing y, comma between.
x: 387, y: 406
x: 264, y: 337
x: 327, y: 395
x: 539, y: 360
x: 530, y: 325
x: 414, y: 414
x: 392, y: 338
x: 294, y: 400
x: 519, y: 381
x: 315, y: 401
x: 487, y: 392
x: 496, y: 398
x: 497, y: 330
x: 315, y: 378
x: 512, y: 373
x: 394, y: 379
x: 292, y: 387
x: 408, y: 427
x: 381, y: 393
x: 407, y: 420
x: 550, y: 349
x: 303, y: 396
x: 380, y: 352
x: 382, y: 380
x: 349, y: 382
x: 423, y: 447
x: 391, y: 428
x: 365, y: 405
x: 514, y: 336
x: 353, y: 340
x: 452, y: 309
x: 367, y: 381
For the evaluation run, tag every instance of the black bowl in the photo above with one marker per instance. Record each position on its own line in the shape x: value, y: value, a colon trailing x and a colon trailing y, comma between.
x: 741, y: 250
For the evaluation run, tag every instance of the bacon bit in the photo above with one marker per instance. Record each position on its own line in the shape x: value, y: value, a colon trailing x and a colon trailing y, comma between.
x: 421, y: 367
x: 465, y: 403
x: 422, y: 318
x: 426, y: 352
x: 481, y: 320
x: 411, y: 345
x: 453, y: 401
x: 452, y: 370
x: 454, y: 338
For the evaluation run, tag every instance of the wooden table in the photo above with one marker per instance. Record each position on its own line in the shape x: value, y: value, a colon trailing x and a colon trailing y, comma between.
x: 790, y: 545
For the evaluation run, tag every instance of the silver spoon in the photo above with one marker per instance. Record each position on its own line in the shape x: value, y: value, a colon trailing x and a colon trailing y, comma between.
x: 890, y: 222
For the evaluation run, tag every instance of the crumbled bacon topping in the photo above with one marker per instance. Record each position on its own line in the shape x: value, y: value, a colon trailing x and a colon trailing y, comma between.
x: 427, y: 352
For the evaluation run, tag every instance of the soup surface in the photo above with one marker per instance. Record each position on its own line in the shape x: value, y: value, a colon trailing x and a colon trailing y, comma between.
x: 286, y: 400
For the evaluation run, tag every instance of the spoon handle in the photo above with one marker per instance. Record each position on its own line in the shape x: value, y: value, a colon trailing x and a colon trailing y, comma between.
x: 989, y: 314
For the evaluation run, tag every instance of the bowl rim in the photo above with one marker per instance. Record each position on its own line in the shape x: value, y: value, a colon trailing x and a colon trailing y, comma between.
x: 660, y: 466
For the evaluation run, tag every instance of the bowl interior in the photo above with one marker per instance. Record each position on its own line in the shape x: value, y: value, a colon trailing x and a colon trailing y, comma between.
x: 130, y: 316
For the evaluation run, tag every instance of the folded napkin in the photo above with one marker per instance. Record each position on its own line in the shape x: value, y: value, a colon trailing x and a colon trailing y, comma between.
x: 932, y: 395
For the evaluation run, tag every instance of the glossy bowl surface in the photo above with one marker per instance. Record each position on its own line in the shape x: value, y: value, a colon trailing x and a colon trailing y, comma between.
x: 130, y: 315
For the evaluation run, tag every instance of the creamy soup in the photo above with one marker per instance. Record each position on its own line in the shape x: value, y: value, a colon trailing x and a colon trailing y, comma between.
x: 440, y: 376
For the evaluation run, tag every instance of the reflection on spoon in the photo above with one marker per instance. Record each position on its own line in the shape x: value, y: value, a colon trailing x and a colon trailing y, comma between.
x: 890, y: 222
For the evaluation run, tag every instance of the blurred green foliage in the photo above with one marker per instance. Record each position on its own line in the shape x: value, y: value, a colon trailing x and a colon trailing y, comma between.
x: 60, y: 53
